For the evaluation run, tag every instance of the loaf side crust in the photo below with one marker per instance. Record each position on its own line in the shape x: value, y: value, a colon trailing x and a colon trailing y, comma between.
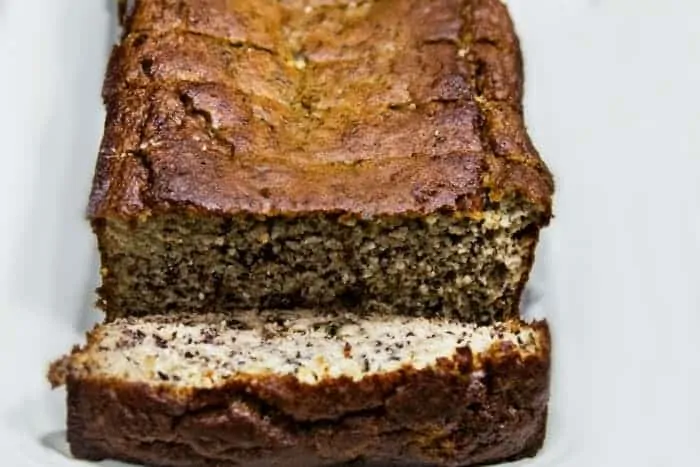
x: 466, y: 410
x: 368, y: 108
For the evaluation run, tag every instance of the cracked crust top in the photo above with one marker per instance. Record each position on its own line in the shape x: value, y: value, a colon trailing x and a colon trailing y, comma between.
x: 366, y: 107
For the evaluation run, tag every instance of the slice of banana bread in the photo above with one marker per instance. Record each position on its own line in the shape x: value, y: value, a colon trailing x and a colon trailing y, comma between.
x: 262, y: 154
x: 297, y: 389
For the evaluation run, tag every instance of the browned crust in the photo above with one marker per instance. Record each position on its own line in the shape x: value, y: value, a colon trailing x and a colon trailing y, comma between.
x: 205, y: 111
x: 466, y: 410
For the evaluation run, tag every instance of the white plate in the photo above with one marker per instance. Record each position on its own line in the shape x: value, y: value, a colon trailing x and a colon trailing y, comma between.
x: 613, y: 105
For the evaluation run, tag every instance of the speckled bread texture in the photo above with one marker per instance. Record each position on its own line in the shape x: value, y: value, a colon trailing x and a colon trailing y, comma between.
x: 277, y: 154
x: 134, y: 395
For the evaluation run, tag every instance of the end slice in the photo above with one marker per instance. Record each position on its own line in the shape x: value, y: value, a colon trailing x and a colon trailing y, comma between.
x: 298, y: 389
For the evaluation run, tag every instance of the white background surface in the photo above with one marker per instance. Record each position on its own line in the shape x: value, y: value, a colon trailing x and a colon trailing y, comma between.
x: 613, y: 103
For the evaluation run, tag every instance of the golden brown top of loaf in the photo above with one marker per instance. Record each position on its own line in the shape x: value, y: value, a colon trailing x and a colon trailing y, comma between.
x: 292, y: 106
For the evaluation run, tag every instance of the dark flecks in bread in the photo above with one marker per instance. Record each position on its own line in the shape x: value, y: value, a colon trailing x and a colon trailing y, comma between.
x: 454, y: 405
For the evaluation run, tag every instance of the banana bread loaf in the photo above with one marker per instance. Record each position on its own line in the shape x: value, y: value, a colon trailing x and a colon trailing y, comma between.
x: 262, y: 154
x: 298, y: 389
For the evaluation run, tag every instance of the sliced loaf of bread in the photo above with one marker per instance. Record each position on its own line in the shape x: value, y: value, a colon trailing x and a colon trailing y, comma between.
x: 303, y: 389
x: 284, y: 154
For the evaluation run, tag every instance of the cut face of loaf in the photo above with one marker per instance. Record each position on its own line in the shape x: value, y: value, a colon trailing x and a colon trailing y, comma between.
x: 438, y: 265
x: 292, y: 154
x: 306, y: 390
